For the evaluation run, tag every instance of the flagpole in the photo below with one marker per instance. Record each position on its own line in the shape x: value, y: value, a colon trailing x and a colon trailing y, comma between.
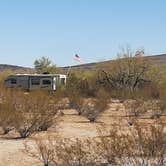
x: 68, y: 71
x: 76, y: 58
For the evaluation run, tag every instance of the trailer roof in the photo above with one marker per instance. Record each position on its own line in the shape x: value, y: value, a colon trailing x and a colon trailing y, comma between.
x: 40, y: 75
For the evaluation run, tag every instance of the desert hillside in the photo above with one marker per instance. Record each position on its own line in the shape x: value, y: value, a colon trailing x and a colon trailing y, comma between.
x: 4, y: 67
x: 157, y: 59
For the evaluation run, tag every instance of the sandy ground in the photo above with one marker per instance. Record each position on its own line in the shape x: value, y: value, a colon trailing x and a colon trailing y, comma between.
x: 70, y: 125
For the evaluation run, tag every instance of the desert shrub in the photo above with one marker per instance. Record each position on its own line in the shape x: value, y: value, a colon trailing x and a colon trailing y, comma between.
x: 148, y: 91
x: 141, y: 145
x: 112, y: 146
x: 38, y: 113
x: 72, y: 84
x: 76, y: 152
x: 161, y: 85
x: 76, y: 102
x: 59, y: 151
x: 25, y: 124
x: 135, y: 107
x: 7, y: 117
x: 91, y: 109
x: 72, y: 91
x: 149, y: 145
x: 84, y: 84
x: 29, y: 112
x: 158, y: 108
x: 43, y: 150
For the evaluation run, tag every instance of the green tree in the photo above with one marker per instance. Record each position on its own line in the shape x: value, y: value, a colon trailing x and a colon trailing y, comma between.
x: 45, y: 65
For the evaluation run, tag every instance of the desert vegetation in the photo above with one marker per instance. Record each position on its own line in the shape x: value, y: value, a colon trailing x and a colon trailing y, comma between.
x: 139, y: 146
x: 28, y: 112
x: 132, y: 80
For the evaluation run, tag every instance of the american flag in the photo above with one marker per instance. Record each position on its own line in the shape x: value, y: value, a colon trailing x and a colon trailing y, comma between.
x: 78, y: 58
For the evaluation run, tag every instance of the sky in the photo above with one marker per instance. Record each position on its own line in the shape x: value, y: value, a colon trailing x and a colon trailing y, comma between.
x: 94, y: 29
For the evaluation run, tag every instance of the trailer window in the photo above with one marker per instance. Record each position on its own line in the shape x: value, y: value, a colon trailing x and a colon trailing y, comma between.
x: 13, y: 81
x: 46, y: 82
x: 35, y: 81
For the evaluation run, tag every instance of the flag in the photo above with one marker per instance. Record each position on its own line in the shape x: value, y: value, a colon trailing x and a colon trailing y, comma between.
x: 78, y: 58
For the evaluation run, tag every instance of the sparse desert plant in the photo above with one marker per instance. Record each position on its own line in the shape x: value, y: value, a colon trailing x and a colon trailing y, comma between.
x: 25, y: 124
x: 93, y: 108
x: 90, y: 107
x: 76, y: 102
x: 162, y: 106
x: 77, y: 152
x: 135, y: 107
x: 113, y: 146
x: 28, y: 112
x: 7, y: 117
x: 84, y: 83
x: 142, y: 145
x: 157, y: 108
x: 149, y: 145
x: 41, y: 149
x: 63, y: 152
x: 37, y: 113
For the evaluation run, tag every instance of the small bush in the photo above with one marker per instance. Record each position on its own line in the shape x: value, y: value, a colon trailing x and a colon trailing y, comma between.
x: 92, y: 109
x: 135, y: 107
x: 37, y: 112
x: 43, y: 150
x: 140, y: 146
x: 59, y: 151
x: 7, y: 117
x: 28, y: 113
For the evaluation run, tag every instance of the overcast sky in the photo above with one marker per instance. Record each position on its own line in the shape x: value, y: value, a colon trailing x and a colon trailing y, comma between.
x: 94, y: 29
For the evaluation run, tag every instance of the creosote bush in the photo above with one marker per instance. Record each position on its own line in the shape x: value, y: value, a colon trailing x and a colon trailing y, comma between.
x: 93, y: 108
x: 89, y: 107
x: 28, y: 112
x: 43, y: 150
x: 76, y: 102
x: 63, y: 152
x: 141, y: 145
x: 7, y: 117
x: 135, y: 107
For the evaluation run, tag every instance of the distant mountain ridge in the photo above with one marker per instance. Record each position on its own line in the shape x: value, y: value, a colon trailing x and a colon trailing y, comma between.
x: 157, y: 59
x: 5, y: 67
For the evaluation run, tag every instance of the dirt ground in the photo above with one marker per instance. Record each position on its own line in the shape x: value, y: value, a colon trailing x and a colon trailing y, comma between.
x: 71, y: 125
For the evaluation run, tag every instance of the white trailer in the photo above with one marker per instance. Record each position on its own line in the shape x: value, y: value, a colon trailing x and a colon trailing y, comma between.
x: 35, y: 81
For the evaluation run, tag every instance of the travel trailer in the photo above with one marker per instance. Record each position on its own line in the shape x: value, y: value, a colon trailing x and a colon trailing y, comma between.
x: 36, y: 81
